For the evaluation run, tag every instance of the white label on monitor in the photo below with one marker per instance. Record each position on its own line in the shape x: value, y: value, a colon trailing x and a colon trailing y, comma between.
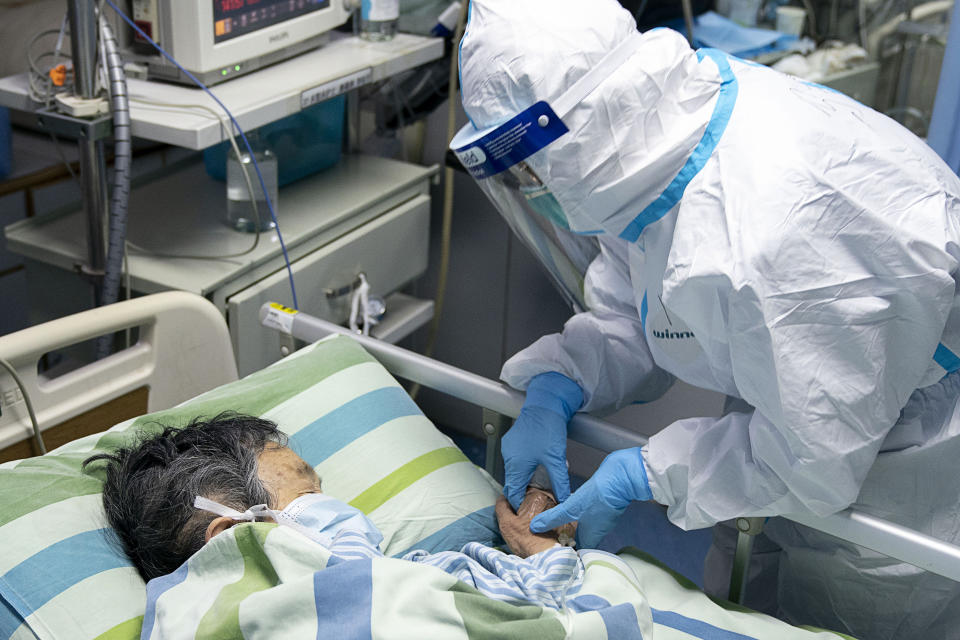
x: 335, y: 88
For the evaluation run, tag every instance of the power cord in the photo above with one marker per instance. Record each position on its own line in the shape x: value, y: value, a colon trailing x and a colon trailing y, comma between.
x: 447, y: 225
x: 38, y: 438
x: 243, y: 136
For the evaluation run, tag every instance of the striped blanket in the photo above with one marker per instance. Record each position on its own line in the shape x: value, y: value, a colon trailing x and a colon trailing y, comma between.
x: 263, y: 581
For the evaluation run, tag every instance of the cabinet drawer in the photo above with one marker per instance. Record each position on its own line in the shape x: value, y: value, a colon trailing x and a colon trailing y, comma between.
x: 391, y: 250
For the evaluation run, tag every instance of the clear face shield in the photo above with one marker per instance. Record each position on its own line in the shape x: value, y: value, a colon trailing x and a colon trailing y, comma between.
x: 536, y: 217
x: 497, y: 157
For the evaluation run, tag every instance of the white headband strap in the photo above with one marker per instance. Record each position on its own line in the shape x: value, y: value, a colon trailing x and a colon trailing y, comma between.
x: 251, y: 514
x: 592, y: 78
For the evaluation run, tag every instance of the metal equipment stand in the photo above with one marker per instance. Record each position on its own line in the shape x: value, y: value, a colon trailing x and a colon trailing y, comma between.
x: 495, y: 425
x: 93, y: 171
x: 747, y: 530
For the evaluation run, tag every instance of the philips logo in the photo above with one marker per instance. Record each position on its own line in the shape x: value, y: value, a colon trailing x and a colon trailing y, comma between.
x: 277, y: 37
x: 672, y: 335
x: 472, y: 157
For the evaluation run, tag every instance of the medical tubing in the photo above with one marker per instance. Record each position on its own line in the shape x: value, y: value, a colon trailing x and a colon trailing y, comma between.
x: 243, y: 136
x: 226, y: 127
x: 447, y: 224
x: 120, y: 193
x: 37, y: 436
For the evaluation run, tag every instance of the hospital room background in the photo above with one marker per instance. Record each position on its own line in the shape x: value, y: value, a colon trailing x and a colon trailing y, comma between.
x: 891, y: 54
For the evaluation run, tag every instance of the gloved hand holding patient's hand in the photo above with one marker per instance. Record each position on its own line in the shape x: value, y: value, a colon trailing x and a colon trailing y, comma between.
x: 601, y: 500
x: 515, y: 527
x: 539, y: 436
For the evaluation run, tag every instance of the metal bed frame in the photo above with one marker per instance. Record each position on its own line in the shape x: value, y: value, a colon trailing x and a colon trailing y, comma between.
x: 501, y: 404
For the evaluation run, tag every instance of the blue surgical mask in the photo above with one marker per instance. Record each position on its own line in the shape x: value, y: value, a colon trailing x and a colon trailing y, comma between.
x: 543, y: 202
x: 316, y: 515
x: 321, y: 517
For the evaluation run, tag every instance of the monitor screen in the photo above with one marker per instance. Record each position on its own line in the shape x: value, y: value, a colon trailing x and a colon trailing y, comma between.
x: 232, y: 18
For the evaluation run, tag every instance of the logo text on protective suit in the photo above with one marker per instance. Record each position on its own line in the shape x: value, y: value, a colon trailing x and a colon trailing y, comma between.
x: 672, y: 335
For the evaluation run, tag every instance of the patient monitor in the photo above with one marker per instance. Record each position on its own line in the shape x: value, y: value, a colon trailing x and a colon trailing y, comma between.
x: 220, y: 39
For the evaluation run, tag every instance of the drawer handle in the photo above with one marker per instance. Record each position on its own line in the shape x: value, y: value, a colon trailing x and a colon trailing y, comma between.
x: 345, y: 290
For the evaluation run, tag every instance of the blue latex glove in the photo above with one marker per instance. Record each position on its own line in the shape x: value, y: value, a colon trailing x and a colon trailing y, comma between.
x: 539, y: 436
x: 601, y: 500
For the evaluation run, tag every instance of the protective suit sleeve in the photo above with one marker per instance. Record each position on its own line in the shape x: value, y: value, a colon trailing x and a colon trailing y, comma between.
x: 603, y: 350
x: 827, y: 373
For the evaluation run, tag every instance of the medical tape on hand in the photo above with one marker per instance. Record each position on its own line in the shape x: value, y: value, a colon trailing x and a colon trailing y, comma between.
x: 250, y: 515
x: 592, y: 78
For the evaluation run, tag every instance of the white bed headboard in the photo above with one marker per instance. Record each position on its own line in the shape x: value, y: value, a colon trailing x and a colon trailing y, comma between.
x: 183, y: 349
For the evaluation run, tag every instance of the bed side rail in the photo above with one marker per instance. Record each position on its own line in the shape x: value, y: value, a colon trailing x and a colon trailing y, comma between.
x: 863, y: 529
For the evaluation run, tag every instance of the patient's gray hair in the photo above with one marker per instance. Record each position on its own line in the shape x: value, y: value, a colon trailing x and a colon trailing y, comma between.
x: 150, y: 486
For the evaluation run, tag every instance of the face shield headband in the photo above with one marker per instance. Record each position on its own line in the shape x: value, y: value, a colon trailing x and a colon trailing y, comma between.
x: 496, y: 158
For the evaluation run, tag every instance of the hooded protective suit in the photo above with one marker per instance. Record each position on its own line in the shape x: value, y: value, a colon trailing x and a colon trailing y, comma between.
x: 768, y: 239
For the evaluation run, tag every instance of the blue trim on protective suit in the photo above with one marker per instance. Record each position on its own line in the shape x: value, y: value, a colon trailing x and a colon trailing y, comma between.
x: 704, y: 149
x: 643, y: 313
x: 946, y: 358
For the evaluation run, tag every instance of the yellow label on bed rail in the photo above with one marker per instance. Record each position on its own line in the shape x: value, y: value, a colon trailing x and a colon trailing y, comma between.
x: 280, y: 307
x: 280, y: 317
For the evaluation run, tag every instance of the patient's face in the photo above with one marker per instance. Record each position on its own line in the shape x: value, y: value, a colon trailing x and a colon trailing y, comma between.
x: 286, y: 475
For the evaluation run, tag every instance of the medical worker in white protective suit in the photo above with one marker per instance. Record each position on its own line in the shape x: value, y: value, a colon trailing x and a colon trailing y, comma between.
x: 751, y: 234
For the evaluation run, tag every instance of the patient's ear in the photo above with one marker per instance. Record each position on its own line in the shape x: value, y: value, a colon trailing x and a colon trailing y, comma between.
x: 218, y: 525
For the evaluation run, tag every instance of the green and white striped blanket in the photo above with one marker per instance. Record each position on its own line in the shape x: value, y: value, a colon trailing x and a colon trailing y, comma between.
x: 264, y: 581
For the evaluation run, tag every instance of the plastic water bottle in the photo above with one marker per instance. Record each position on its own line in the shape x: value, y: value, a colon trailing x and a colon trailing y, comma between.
x: 240, y: 213
x: 378, y: 19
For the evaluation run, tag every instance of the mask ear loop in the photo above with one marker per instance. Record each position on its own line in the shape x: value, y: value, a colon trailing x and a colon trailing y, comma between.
x: 250, y: 515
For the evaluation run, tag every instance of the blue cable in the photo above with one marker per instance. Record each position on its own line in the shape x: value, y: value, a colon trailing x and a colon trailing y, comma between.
x: 273, y: 215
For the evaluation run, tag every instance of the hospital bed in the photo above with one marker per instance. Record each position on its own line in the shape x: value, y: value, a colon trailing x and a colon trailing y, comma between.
x: 863, y: 529
x: 59, y: 577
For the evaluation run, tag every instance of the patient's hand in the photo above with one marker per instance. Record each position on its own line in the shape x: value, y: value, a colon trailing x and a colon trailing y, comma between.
x: 515, y: 527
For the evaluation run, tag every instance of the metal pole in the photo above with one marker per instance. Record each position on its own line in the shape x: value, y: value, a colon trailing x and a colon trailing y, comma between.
x: 93, y: 175
x: 494, y: 426
x: 741, y: 566
x: 747, y: 530
x: 688, y: 20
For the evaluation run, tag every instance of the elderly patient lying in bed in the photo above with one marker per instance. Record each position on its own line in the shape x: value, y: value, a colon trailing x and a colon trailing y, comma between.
x: 170, y: 494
